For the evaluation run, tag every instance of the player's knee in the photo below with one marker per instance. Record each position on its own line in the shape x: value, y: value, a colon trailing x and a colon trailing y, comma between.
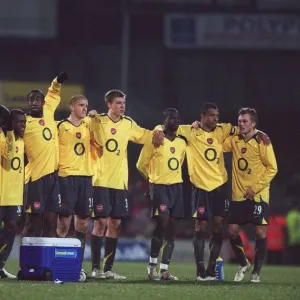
x: 218, y: 224
x: 81, y: 224
x: 200, y: 226
x: 260, y: 232
x: 99, y: 226
x: 233, y: 232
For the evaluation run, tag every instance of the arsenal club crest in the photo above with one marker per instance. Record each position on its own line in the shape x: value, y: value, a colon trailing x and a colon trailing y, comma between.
x: 210, y: 140
x: 244, y: 150
x: 201, y: 210
x: 163, y: 207
x: 37, y: 205
x: 78, y: 135
x: 41, y: 122
x: 99, y: 207
x: 113, y: 130
x: 172, y: 149
x: 17, y: 149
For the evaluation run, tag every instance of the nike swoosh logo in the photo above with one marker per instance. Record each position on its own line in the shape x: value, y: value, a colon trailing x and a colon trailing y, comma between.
x: 67, y: 129
x: 30, y: 121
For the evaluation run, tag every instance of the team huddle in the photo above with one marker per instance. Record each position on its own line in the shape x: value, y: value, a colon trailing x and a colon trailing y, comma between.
x: 78, y: 167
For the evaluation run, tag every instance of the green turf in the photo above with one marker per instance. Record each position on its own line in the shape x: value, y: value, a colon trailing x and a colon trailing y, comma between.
x: 277, y: 283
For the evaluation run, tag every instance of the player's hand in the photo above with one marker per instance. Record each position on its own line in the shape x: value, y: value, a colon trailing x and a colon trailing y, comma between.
x: 158, y: 138
x: 62, y: 77
x: 4, y: 115
x: 92, y: 113
x: 196, y: 124
x: 249, y: 194
x: 264, y: 137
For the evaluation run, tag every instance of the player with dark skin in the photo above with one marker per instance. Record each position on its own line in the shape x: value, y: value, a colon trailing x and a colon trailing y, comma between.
x: 40, y: 107
x: 10, y: 213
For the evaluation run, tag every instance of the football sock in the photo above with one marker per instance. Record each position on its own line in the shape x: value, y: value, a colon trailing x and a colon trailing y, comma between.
x: 167, y: 251
x: 215, y: 246
x: 260, y: 252
x: 82, y: 238
x: 198, y: 242
x: 109, y: 253
x: 238, y: 249
x: 96, y: 244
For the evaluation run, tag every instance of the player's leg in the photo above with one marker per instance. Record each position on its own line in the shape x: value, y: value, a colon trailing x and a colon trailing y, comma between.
x: 119, y: 209
x: 69, y: 198
x: 100, y: 213
x: 260, y: 251
x: 111, y: 242
x: 167, y: 249
x: 156, y: 245
x: 82, y: 211
x: 201, y: 213
x: 238, y: 249
x: 7, y: 236
x: 96, y: 245
x: 160, y: 213
x: 260, y: 214
x: 215, y: 245
x: 220, y: 204
x: 176, y: 212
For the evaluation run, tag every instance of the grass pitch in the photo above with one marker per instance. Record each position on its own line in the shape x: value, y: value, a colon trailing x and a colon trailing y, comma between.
x: 277, y: 283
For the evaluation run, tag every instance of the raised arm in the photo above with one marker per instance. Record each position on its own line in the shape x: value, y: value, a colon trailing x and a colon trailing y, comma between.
x: 52, y: 98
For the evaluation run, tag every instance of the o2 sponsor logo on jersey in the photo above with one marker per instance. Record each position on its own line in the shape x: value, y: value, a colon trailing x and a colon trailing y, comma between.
x: 65, y: 253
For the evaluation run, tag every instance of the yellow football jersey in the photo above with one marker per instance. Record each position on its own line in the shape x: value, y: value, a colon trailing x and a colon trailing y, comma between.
x: 205, y: 155
x: 74, y: 149
x: 114, y: 137
x: 12, y: 173
x: 40, y: 137
x: 7, y: 144
x: 253, y: 166
x: 163, y: 165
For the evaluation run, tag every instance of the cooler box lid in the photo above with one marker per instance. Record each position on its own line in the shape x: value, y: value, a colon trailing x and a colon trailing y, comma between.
x: 50, y: 242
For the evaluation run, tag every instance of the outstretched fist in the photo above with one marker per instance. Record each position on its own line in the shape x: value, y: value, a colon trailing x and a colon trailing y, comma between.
x: 62, y: 77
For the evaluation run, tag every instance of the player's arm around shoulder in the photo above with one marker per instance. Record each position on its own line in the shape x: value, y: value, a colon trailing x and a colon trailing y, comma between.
x: 96, y: 128
x: 145, y: 158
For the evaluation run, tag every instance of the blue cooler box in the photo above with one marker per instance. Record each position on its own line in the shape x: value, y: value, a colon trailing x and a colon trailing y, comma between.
x: 50, y: 259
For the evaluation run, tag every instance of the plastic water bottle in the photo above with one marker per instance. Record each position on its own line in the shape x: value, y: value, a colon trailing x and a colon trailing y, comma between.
x: 220, y: 269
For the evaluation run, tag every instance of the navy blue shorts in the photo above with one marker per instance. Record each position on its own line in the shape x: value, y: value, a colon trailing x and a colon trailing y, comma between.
x: 76, y: 195
x: 109, y: 202
x: 43, y: 195
x: 167, y: 200
x: 206, y: 204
